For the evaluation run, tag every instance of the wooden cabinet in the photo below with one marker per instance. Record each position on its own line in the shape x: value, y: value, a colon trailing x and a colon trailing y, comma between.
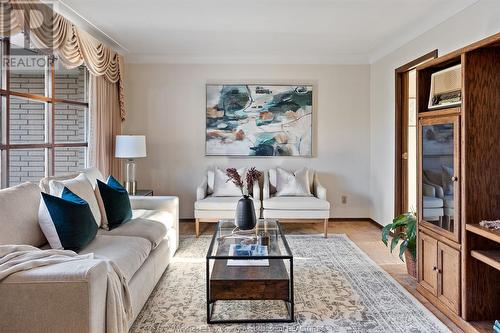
x: 459, y: 186
x: 448, y: 276
x: 427, y: 261
x: 439, y: 271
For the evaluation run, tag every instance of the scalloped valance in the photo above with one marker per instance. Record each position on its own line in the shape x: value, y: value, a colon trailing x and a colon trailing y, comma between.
x: 72, y: 46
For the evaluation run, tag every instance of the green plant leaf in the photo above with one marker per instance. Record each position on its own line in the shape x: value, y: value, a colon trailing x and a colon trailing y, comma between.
x: 402, y: 249
x: 385, y: 233
x: 395, y: 240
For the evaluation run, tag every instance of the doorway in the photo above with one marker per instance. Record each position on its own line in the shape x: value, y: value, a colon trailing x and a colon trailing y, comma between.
x: 406, y: 135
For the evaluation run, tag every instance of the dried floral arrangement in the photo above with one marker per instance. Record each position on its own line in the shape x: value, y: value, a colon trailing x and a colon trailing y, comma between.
x: 251, y: 176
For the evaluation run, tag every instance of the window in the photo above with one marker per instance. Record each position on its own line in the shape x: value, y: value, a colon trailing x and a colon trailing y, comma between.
x: 44, y: 115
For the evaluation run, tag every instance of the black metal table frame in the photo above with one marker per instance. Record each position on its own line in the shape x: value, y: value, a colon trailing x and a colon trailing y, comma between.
x: 289, y: 304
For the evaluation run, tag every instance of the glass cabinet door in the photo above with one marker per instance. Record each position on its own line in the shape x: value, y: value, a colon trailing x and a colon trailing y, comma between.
x: 438, y: 179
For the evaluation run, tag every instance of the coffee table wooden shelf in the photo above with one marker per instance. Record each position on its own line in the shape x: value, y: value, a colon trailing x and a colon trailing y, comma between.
x: 264, y: 283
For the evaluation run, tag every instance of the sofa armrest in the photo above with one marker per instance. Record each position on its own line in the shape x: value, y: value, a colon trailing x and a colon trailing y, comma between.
x: 201, y: 190
x: 266, y: 191
x: 66, y: 297
x: 319, y: 190
x: 428, y: 190
x: 168, y: 204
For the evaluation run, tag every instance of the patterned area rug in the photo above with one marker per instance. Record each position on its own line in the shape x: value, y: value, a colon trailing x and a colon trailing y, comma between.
x: 338, y: 288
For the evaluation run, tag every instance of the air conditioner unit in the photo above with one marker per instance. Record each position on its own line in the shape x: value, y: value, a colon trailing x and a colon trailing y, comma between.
x: 446, y: 88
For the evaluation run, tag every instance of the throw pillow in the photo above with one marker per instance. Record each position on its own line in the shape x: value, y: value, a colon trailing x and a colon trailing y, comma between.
x: 67, y: 222
x: 82, y: 187
x: 290, y: 183
x: 115, y: 201
x: 225, y: 188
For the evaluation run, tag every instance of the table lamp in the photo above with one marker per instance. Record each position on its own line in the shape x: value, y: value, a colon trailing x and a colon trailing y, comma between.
x: 130, y: 147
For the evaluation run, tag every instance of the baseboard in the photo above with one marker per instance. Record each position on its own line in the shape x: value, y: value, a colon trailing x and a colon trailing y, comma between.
x: 331, y: 219
x: 355, y: 219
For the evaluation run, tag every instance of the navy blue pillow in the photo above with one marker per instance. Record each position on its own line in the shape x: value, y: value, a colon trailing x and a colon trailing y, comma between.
x: 116, y: 202
x: 72, y: 218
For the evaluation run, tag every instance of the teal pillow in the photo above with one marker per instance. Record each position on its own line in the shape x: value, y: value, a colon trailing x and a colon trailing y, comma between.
x: 116, y: 202
x: 67, y: 221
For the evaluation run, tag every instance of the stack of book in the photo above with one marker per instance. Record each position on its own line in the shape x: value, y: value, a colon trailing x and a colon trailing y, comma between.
x: 496, y: 326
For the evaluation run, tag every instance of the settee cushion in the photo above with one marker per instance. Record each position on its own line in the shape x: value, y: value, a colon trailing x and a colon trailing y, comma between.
x: 153, y: 231
x: 67, y: 222
x: 432, y: 202
x: 19, y: 215
x: 115, y: 201
x: 128, y: 253
x: 223, y: 186
x: 296, y: 203
x: 221, y: 203
x: 82, y: 187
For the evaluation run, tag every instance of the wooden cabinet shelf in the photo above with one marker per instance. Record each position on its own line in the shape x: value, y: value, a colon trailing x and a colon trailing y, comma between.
x: 458, y: 183
x: 490, y: 257
x: 493, y: 235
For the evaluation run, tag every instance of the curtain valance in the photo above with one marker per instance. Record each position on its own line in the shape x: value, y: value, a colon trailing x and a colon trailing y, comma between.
x: 71, y: 45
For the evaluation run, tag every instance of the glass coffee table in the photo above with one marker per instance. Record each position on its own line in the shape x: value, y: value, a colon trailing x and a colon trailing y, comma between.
x: 250, y: 266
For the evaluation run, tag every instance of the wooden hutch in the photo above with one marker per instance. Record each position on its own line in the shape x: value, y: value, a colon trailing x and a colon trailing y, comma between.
x: 459, y: 186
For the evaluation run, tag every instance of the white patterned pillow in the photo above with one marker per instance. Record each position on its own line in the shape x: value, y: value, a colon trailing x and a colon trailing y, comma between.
x: 290, y: 183
x: 82, y: 187
x: 225, y: 188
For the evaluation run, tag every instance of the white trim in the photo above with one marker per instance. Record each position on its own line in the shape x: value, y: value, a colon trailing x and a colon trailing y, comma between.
x: 81, y: 22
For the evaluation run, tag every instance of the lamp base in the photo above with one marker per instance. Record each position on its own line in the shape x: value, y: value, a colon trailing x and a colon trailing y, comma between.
x: 131, y: 187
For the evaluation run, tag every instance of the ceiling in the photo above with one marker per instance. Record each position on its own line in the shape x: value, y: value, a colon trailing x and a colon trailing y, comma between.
x: 258, y: 31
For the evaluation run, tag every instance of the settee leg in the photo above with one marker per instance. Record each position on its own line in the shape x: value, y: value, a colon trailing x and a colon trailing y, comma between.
x: 326, y: 228
x: 197, y: 227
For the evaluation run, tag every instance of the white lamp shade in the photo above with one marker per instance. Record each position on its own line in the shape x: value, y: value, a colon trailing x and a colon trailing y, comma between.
x: 130, y: 146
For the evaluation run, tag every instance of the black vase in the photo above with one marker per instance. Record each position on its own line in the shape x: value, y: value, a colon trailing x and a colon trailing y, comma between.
x: 245, y: 214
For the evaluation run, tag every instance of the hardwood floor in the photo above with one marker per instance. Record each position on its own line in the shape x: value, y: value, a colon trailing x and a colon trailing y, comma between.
x: 366, y: 235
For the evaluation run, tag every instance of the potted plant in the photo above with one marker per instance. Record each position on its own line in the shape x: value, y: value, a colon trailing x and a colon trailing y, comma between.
x: 404, y: 228
x: 245, y: 218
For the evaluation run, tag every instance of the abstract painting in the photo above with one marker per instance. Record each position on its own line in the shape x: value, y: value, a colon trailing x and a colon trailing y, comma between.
x: 259, y: 120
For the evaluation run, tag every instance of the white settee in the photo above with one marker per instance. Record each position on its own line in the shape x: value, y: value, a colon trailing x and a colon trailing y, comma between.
x: 314, y: 208
x: 209, y: 208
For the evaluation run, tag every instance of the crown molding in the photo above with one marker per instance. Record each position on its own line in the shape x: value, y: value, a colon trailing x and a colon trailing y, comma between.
x: 344, y: 59
x: 82, y: 23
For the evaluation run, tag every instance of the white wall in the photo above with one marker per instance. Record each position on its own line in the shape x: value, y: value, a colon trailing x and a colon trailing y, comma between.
x: 472, y: 24
x: 167, y: 103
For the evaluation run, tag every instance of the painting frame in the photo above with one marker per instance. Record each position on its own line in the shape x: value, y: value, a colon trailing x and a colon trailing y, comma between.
x: 303, y: 94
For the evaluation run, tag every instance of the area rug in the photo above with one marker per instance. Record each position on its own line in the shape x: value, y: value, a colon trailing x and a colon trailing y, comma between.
x: 338, y: 288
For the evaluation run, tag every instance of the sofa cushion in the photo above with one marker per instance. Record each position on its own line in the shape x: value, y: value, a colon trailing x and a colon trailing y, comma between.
x: 432, y: 202
x: 128, y: 253
x: 223, y: 186
x: 92, y: 174
x: 273, y: 180
x: 82, y: 187
x: 113, y: 197
x: 164, y: 217
x: 289, y: 183
x: 296, y: 203
x: 19, y: 215
x: 153, y: 231
x: 67, y: 222
x: 221, y: 203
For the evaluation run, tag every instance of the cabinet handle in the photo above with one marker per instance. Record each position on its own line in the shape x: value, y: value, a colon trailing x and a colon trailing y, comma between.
x: 454, y: 178
x: 434, y: 268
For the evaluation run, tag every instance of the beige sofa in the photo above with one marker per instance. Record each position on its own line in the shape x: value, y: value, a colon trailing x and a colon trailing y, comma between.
x: 71, y: 296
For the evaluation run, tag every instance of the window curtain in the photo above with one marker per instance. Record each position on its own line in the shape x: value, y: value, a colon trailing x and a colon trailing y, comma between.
x: 105, y: 124
x: 74, y: 47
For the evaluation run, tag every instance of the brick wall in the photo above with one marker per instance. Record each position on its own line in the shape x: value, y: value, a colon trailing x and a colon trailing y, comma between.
x: 27, y: 122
